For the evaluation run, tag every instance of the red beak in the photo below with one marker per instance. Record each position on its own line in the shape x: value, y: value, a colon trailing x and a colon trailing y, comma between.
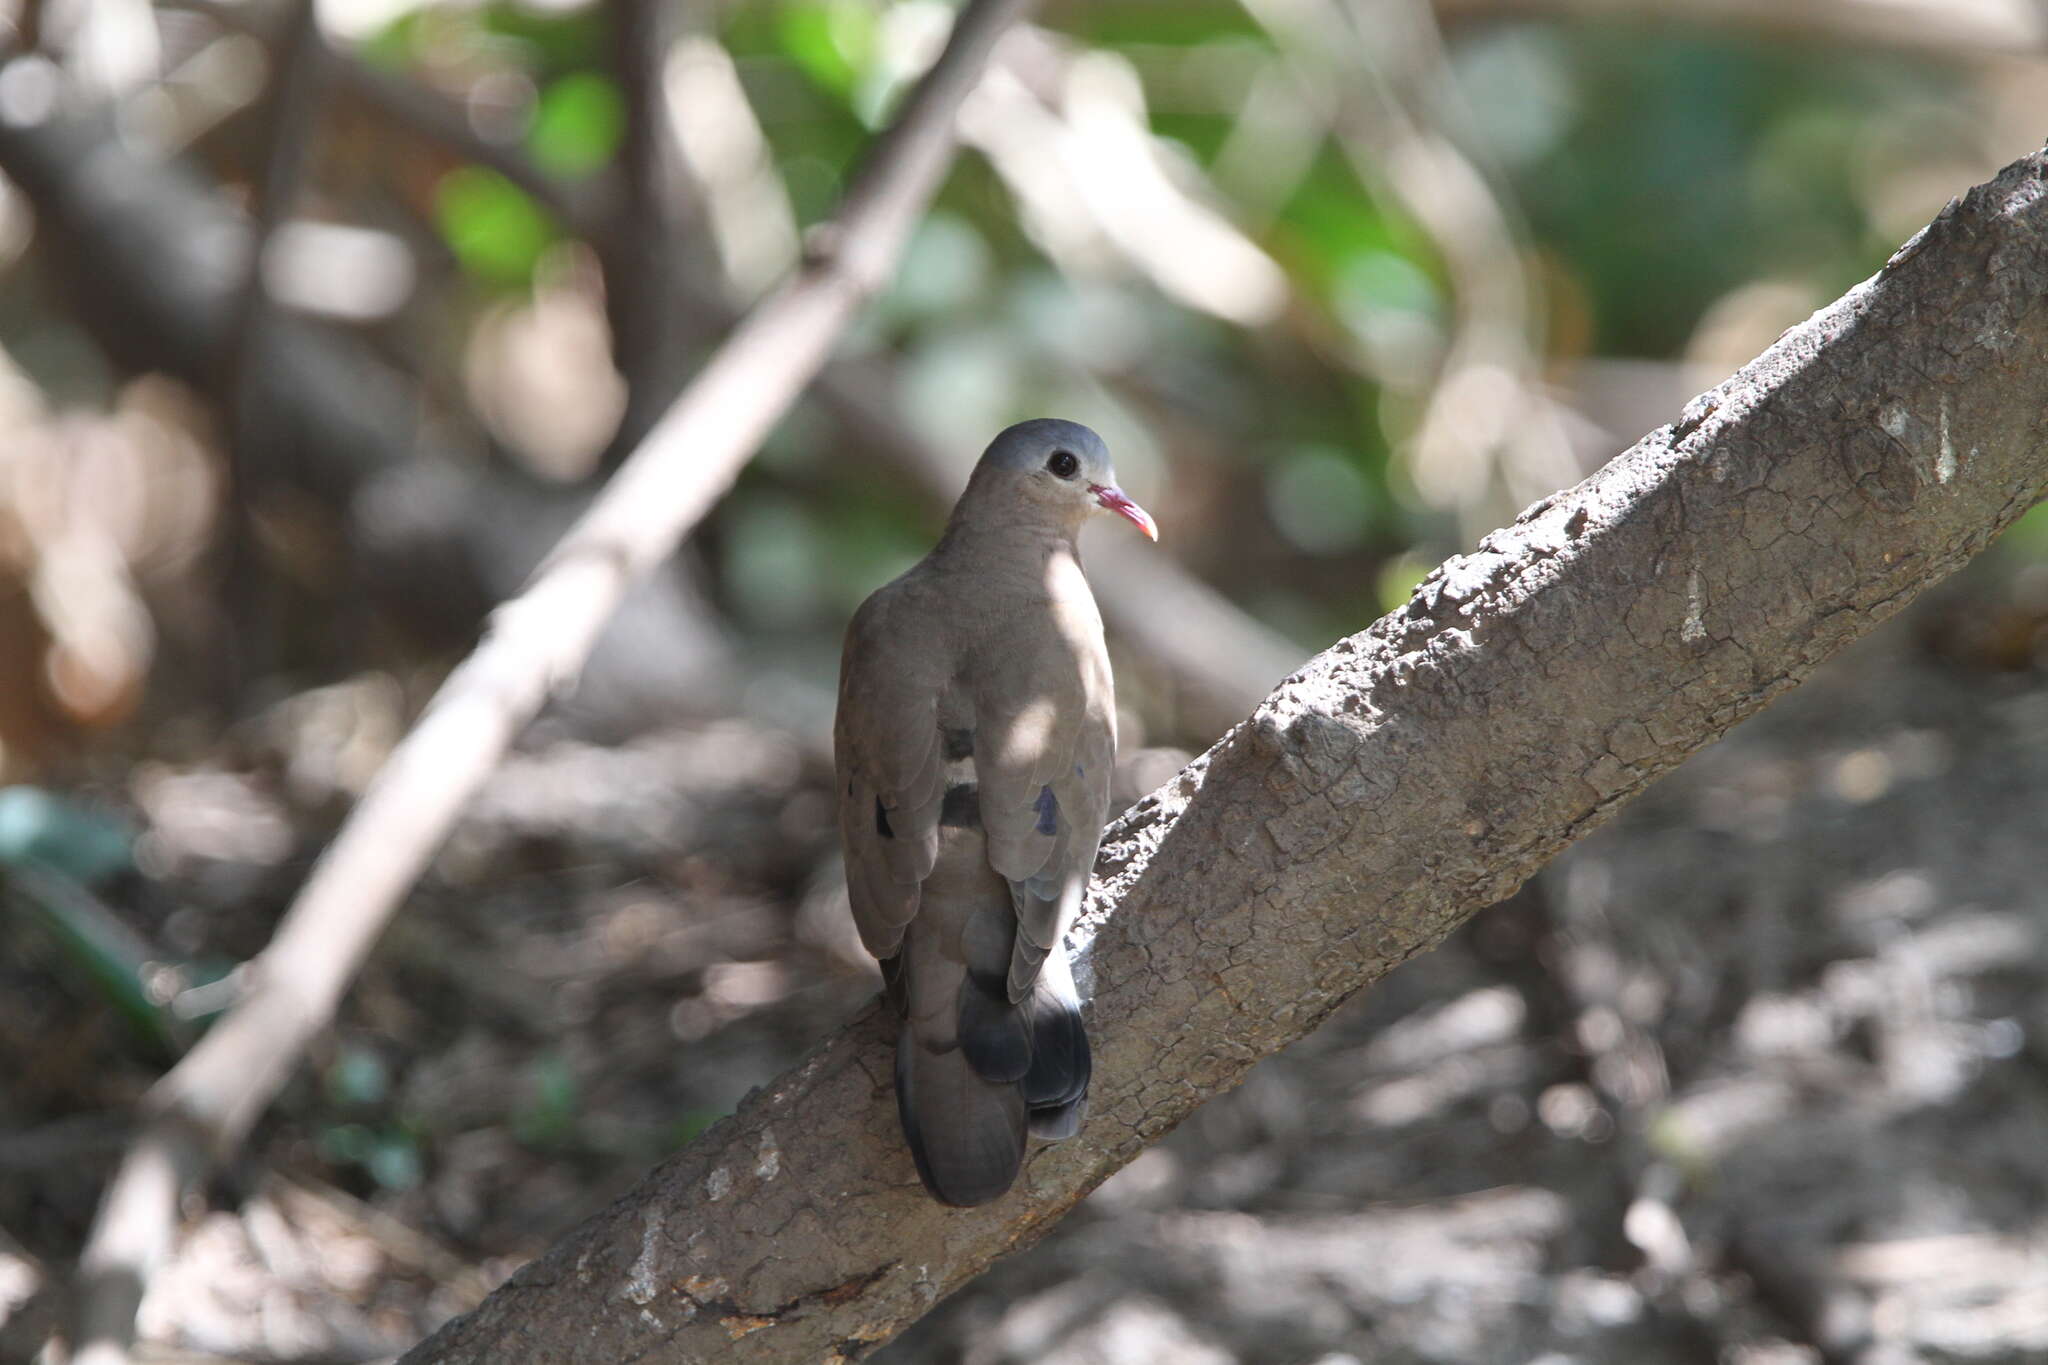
x: 1112, y: 497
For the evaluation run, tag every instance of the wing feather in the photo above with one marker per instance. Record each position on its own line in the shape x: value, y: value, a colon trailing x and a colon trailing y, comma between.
x: 1045, y: 741
x: 891, y: 773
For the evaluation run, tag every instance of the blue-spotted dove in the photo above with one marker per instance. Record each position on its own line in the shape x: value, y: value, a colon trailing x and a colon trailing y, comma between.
x: 975, y: 739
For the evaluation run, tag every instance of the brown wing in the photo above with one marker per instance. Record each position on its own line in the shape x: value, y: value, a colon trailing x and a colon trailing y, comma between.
x: 891, y: 771
x: 1044, y: 744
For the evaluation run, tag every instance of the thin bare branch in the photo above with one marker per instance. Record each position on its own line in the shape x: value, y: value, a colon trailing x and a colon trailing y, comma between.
x: 1404, y: 779
x: 201, y: 1110
x: 642, y: 250
x: 289, y: 124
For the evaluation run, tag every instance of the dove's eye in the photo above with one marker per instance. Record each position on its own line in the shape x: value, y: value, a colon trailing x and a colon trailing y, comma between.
x: 1064, y: 463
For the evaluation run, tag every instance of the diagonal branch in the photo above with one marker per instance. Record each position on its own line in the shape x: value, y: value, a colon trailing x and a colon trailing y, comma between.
x: 201, y: 1110
x: 1404, y: 779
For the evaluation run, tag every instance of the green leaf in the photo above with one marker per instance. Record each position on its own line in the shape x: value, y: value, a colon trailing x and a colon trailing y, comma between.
x: 95, y: 940
x: 832, y: 40
x: 493, y: 228
x: 577, y: 125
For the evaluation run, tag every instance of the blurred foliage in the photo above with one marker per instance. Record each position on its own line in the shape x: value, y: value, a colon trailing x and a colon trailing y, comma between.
x: 577, y: 124
x: 1679, y: 166
x: 548, y: 1113
x: 54, y: 852
x: 494, y: 229
x: 1658, y: 170
x: 1658, y: 174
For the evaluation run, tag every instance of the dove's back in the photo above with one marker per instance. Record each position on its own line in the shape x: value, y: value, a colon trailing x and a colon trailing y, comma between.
x: 974, y: 743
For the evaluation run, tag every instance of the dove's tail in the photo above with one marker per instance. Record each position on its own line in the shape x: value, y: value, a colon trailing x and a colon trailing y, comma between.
x: 966, y: 1133
x: 1056, y: 1085
x: 967, y: 1102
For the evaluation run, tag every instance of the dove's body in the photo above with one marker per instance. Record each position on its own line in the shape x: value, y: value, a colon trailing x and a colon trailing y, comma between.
x: 975, y: 740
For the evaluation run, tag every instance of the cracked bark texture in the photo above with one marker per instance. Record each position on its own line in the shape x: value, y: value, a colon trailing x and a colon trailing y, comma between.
x: 1404, y: 779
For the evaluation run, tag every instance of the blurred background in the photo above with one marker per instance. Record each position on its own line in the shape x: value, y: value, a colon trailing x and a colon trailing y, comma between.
x: 319, y: 322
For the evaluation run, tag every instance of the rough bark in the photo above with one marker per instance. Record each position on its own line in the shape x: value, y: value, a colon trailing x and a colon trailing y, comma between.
x: 1405, y: 778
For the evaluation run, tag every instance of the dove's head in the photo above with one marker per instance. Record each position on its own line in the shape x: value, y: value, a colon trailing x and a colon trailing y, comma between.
x: 1062, y: 467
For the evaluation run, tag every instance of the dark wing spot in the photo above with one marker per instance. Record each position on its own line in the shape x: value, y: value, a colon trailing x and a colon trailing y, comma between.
x: 962, y: 808
x: 882, y: 821
x: 959, y: 744
x: 1048, y: 808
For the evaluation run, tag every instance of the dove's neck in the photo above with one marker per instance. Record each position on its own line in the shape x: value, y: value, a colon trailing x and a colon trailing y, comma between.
x: 994, y: 533
x: 1013, y: 566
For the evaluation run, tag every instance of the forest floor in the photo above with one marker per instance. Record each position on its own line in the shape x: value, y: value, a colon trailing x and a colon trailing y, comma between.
x: 1756, y: 1074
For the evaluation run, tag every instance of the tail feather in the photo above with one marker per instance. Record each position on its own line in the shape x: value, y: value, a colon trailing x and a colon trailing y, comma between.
x: 997, y: 1037
x: 968, y: 1100
x: 1060, y: 1063
x: 1058, y: 1123
x: 965, y: 1133
x: 1056, y: 1086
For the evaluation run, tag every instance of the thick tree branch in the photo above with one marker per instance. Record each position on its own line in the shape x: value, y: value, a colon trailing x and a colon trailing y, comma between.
x: 1405, y: 778
x: 200, y: 1111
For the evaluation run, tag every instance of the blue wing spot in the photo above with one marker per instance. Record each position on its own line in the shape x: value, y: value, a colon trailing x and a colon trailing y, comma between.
x: 1048, y: 808
x: 1079, y: 771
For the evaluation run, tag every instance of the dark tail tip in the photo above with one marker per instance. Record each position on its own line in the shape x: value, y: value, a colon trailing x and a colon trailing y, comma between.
x: 1060, y: 1061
